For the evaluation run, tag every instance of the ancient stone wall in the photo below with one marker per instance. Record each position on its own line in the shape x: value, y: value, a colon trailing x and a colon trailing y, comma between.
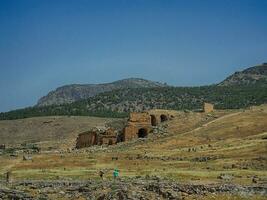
x: 109, y: 137
x: 139, y: 125
x: 139, y: 117
x: 158, y: 116
x: 96, y: 137
x: 108, y: 141
x: 86, y: 139
x: 208, y: 107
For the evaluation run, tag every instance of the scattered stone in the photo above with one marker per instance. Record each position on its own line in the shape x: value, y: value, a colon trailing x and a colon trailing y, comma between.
x: 204, y: 158
x: 25, y: 158
x: 149, y: 187
x: 226, y: 177
x: 114, y: 158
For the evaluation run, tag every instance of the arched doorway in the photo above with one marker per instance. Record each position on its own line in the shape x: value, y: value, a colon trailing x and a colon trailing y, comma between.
x: 142, y: 133
x: 163, y: 118
x: 110, y: 142
x: 153, y: 120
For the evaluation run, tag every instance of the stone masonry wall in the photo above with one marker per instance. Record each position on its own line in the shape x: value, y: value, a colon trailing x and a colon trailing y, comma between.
x: 208, y: 107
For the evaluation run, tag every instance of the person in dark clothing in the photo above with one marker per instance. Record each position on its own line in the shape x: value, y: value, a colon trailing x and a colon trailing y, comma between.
x: 101, y: 174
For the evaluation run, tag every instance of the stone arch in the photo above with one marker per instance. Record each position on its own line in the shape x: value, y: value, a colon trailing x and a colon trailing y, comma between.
x: 163, y: 118
x: 142, y: 133
x: 153, y: 120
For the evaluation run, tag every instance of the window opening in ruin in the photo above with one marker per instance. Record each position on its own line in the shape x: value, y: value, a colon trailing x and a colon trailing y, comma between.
x: 163, y: 118
x: 110, y: 142
x: 142, y: 133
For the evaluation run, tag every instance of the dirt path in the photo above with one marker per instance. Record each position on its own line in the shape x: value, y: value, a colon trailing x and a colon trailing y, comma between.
x: 220, y: 118
x: 211, y: 122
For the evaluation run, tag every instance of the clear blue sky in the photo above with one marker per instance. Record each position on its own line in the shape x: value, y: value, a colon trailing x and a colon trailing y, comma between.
x: 45, y: 44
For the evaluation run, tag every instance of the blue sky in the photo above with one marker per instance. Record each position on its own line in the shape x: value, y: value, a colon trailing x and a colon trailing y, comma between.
x: 45, y: 44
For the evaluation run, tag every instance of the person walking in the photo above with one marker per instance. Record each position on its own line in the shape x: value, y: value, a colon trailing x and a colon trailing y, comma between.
x: 101, y: 174
x: 115, y: 174
x: 8, y: 177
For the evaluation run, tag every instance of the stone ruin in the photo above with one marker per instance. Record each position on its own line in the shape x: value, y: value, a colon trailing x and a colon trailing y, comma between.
x: 108, y: 136
x: 139, y: 125
x: 208, y: 107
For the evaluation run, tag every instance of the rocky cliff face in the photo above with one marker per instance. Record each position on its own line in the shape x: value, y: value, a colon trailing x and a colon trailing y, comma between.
x: 75, y: 92
x: 249, y: 76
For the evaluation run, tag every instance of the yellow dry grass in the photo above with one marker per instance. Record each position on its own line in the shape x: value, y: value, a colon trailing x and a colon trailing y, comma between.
x: 234, y: 142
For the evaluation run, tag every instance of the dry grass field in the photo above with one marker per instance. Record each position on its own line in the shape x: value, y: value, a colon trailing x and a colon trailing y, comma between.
x: 48, y: 131
x: 198, y: 148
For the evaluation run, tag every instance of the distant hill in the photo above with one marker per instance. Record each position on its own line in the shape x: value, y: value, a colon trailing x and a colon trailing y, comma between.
x: 249, y: 76
x: 76, y: 92
x: 240, y: 90
x: 118, y: 103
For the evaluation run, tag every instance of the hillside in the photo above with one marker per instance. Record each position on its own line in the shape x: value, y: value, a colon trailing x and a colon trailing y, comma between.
x: 75, y: 92
x: 52, y: 131
x: 249, y: 76
x: 218, y: 150
x: 119, y: 103
x: 240, y: 90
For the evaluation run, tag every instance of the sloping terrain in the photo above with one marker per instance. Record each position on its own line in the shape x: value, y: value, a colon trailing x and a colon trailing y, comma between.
x: 249, y: 76
x: 53, y: 131
x: 119, y: 103
x: 195, y: 145
x: 224, y: 149
x: 75, y: 92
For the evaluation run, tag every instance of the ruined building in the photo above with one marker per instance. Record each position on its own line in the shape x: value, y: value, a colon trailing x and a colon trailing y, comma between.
x: 208, y: 107
x: 138, y: 126
x: 97, y: 137
x: 141, y: 124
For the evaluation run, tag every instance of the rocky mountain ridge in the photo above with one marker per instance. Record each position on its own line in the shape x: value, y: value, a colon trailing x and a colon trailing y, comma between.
x: 249, y: 76
x: 240, y: 90
x: 75, y: 92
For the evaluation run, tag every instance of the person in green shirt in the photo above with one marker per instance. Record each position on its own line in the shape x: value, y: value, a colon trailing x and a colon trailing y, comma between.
x: 115, y: 173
